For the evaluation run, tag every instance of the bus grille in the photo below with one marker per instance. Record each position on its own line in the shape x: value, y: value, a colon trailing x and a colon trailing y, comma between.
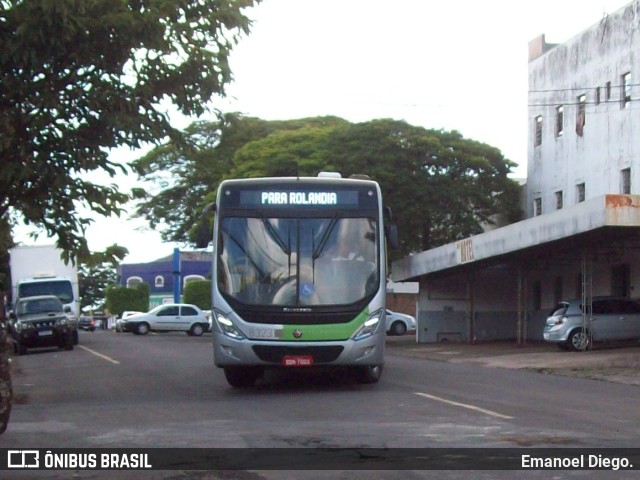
x: 282, y: 318
x: 274, y: 354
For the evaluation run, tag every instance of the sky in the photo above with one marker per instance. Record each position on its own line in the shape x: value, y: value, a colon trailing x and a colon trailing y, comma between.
x: 458, y: 65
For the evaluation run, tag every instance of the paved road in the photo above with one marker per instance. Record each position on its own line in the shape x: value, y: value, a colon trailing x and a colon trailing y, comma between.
x: 121, y: 390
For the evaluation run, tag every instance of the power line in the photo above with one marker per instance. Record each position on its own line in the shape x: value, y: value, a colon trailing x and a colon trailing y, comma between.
x: 585, y: 89
x: 574, y: 103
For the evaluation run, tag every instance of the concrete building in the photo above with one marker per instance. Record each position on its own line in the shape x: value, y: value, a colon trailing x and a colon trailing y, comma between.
x: 581, y: 233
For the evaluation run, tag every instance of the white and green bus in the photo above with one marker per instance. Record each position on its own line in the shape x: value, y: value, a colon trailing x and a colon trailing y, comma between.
x: 299, y: 276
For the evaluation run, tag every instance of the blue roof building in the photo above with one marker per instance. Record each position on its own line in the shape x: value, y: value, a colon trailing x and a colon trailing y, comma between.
x: 159, y: 274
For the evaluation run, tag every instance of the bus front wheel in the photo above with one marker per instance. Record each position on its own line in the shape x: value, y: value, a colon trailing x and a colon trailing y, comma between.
x: 369, y: 374
x: 242, y: 377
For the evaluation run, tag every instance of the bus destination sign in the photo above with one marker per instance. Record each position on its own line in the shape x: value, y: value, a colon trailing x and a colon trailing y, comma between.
x: 299, y: 198
x: 302, y: 198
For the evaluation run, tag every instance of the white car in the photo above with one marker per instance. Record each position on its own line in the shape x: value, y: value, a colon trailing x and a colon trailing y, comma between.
x: 399, y: 323
x: 172, y: 317
x: 126, y: 314
x: 207, y: 314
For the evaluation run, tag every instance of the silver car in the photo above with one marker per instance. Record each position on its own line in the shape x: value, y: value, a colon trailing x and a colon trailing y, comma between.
x: 613, y: 318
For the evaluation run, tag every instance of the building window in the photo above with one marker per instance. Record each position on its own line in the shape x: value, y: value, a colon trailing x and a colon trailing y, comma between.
x: 607, y: 91
x: 538, y: 131
x: 559, y: 200
x: 159, y: 282
x: 625, y: 91
x: 625, y: 181
x: 580, y: 195
x: 133, y: 281
x: 597, y: 95
x: 559, y: 120
x: 581, y: 114
x: 537, y: 206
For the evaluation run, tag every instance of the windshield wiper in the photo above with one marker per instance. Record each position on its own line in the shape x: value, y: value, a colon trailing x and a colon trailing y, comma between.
x: 285, y: 247
x: 246, y: 253
x: 322, y: 244
x: 317, y: 252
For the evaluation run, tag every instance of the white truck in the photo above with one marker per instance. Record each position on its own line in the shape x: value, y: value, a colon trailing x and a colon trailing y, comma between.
x: 39, y: 270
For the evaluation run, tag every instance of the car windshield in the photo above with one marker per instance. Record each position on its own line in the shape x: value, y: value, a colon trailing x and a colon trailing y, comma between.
x: 297, y: 261
x: 33, y: 307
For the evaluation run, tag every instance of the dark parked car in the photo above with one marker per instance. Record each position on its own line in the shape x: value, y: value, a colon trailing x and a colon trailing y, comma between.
x: 41, y: 321
x: 612, y: 318
x: 86, y: 323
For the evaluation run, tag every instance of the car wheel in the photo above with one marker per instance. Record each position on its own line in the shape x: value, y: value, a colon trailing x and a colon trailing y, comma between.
x: 242, y: 377
x: 579, y: 340
x: 68, y: 344
x: 369, y: 374
x: 118, y: 328
x: 141, y: 328
x: 196, y: 330
x: 398, y: 328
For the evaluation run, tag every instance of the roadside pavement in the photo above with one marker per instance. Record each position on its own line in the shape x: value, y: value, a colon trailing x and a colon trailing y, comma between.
x: 618, y: 363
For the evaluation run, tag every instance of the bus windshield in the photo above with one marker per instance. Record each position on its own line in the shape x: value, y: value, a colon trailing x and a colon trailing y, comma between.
x: 298, y: 261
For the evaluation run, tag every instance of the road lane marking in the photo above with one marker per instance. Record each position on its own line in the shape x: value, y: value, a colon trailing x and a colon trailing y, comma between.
x: 104, y: 357
x: 465, y: 405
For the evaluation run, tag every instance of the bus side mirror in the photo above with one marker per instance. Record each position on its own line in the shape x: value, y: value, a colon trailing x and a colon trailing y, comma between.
x: 204, y: 235
x: 390, y: 229
x: 392, y: 236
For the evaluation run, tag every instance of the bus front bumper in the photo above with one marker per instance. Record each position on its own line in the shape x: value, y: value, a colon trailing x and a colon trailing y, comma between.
x: 231, y: 352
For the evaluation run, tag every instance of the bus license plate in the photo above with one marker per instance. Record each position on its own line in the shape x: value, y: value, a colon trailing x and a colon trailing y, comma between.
x: 297, y: 360
x: 45, y: 333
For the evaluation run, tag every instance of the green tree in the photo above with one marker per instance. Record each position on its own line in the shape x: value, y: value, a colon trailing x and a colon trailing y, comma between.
x: 235, y: 146
x: 6, y: 242
x: 120, y: 299
x: 198, y: 293
x: 441, y: 186
x: 80, y: 77
x: 96, y: 272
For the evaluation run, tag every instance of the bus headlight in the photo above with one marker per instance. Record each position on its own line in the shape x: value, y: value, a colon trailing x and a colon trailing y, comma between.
x: 369, y: 326
x: 226, y: 326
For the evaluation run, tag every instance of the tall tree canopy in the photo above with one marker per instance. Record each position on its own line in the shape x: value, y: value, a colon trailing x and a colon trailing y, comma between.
x: 79, y: 77
x: 96, y: 272
x: 6, y: 242
x: 440, y: 186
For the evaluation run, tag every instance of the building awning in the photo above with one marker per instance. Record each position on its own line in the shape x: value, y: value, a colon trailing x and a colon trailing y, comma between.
x: 607, y: 217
